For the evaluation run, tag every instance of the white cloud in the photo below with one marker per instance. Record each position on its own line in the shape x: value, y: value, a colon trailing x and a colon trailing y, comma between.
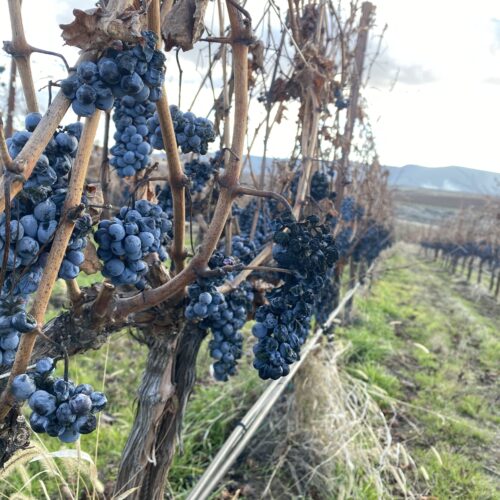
x: 450, y: 119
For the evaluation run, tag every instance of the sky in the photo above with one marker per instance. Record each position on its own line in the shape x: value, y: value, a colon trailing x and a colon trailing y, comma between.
x: 433, y: 95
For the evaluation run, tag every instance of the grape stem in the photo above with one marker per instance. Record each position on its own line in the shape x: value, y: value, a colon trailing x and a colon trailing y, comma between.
x: 21, y: 52
x: 216, y: 39
x: 4, y: 150
x: 5, y: 258
x: 56, y: 255
x: 105, y: 171
x: 74, y: 291
x: 103, y: 300
x: 241, y: 190
x: 176, y: 174
x: 8, y: 47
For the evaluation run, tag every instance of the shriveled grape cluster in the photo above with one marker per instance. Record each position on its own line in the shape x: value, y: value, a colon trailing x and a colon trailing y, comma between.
x: 373, y: 241
x: 246, y: 216
x: 340, y: 102
x: 223, y: 315
x: 191, y: 132
x: 125, y: 240
x: 59, y: 407
x: 344, y: 240
x: 199, y: 173
x: 320, y: 186
x: 308, y: 251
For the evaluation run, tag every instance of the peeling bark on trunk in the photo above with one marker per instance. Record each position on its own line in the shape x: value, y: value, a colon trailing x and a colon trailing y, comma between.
x: 14, y: 435
x: 167, y: 383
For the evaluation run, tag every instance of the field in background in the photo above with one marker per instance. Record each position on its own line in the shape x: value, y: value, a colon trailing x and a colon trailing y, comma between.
x: 427, y: 206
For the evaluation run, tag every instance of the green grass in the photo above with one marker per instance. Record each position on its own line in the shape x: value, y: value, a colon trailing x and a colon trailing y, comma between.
x: 453, y: 476
x: 420, y: 337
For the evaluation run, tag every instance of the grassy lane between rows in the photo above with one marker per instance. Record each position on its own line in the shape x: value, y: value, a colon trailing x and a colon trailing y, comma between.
x: 429, y: 344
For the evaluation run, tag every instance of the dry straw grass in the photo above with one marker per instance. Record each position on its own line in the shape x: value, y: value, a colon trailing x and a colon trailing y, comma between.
x: 328, y: 440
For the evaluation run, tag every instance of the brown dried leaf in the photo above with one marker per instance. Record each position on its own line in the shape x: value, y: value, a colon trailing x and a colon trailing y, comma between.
x: 145, y: 192
x: 95, y: 29
x: 184, y: 24
x: 280, y: 113
x: 91, y: 264
x: 94, y: 194
x: 256, y: 50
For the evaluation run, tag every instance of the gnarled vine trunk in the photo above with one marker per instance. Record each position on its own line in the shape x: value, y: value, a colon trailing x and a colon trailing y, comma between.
x: 167, y: 382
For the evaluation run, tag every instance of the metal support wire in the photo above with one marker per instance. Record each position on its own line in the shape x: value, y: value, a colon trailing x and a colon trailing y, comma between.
x: 247, y: 427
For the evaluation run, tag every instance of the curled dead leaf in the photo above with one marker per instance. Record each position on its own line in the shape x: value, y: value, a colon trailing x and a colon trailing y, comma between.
x: 91, y: 264
x: 256, y: 51
x: 98, y: 28
x: 184, y: 24
x: 93, y: 192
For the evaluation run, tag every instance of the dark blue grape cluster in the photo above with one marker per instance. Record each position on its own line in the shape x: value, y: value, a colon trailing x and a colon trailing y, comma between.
x: 74, y: 257
x: 124, y: 241
x: 308, y: 250
x: 243, y: 248
x: 13, y: 321
x: 331, y: 220
x: 341, y: 102
x: 199, y: 173
x: 191, y: 132
x: 132, y: 150
x: 328, y: 296
x: 223, y: 315
x: 344, y: 240
x: 294, y: 185
x: 320, y: 186
x: 38, y: 207
x: 373, y: 241
x: 264, y: 225
x: 126, y: 69
x: 35, y: 215
x: 359, y: 212
x: 164, y: 197
x: 59, y: 407
x: 348, y: 209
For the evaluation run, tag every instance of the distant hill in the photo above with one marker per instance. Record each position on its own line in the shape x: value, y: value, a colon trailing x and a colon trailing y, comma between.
x: 456, y: 179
